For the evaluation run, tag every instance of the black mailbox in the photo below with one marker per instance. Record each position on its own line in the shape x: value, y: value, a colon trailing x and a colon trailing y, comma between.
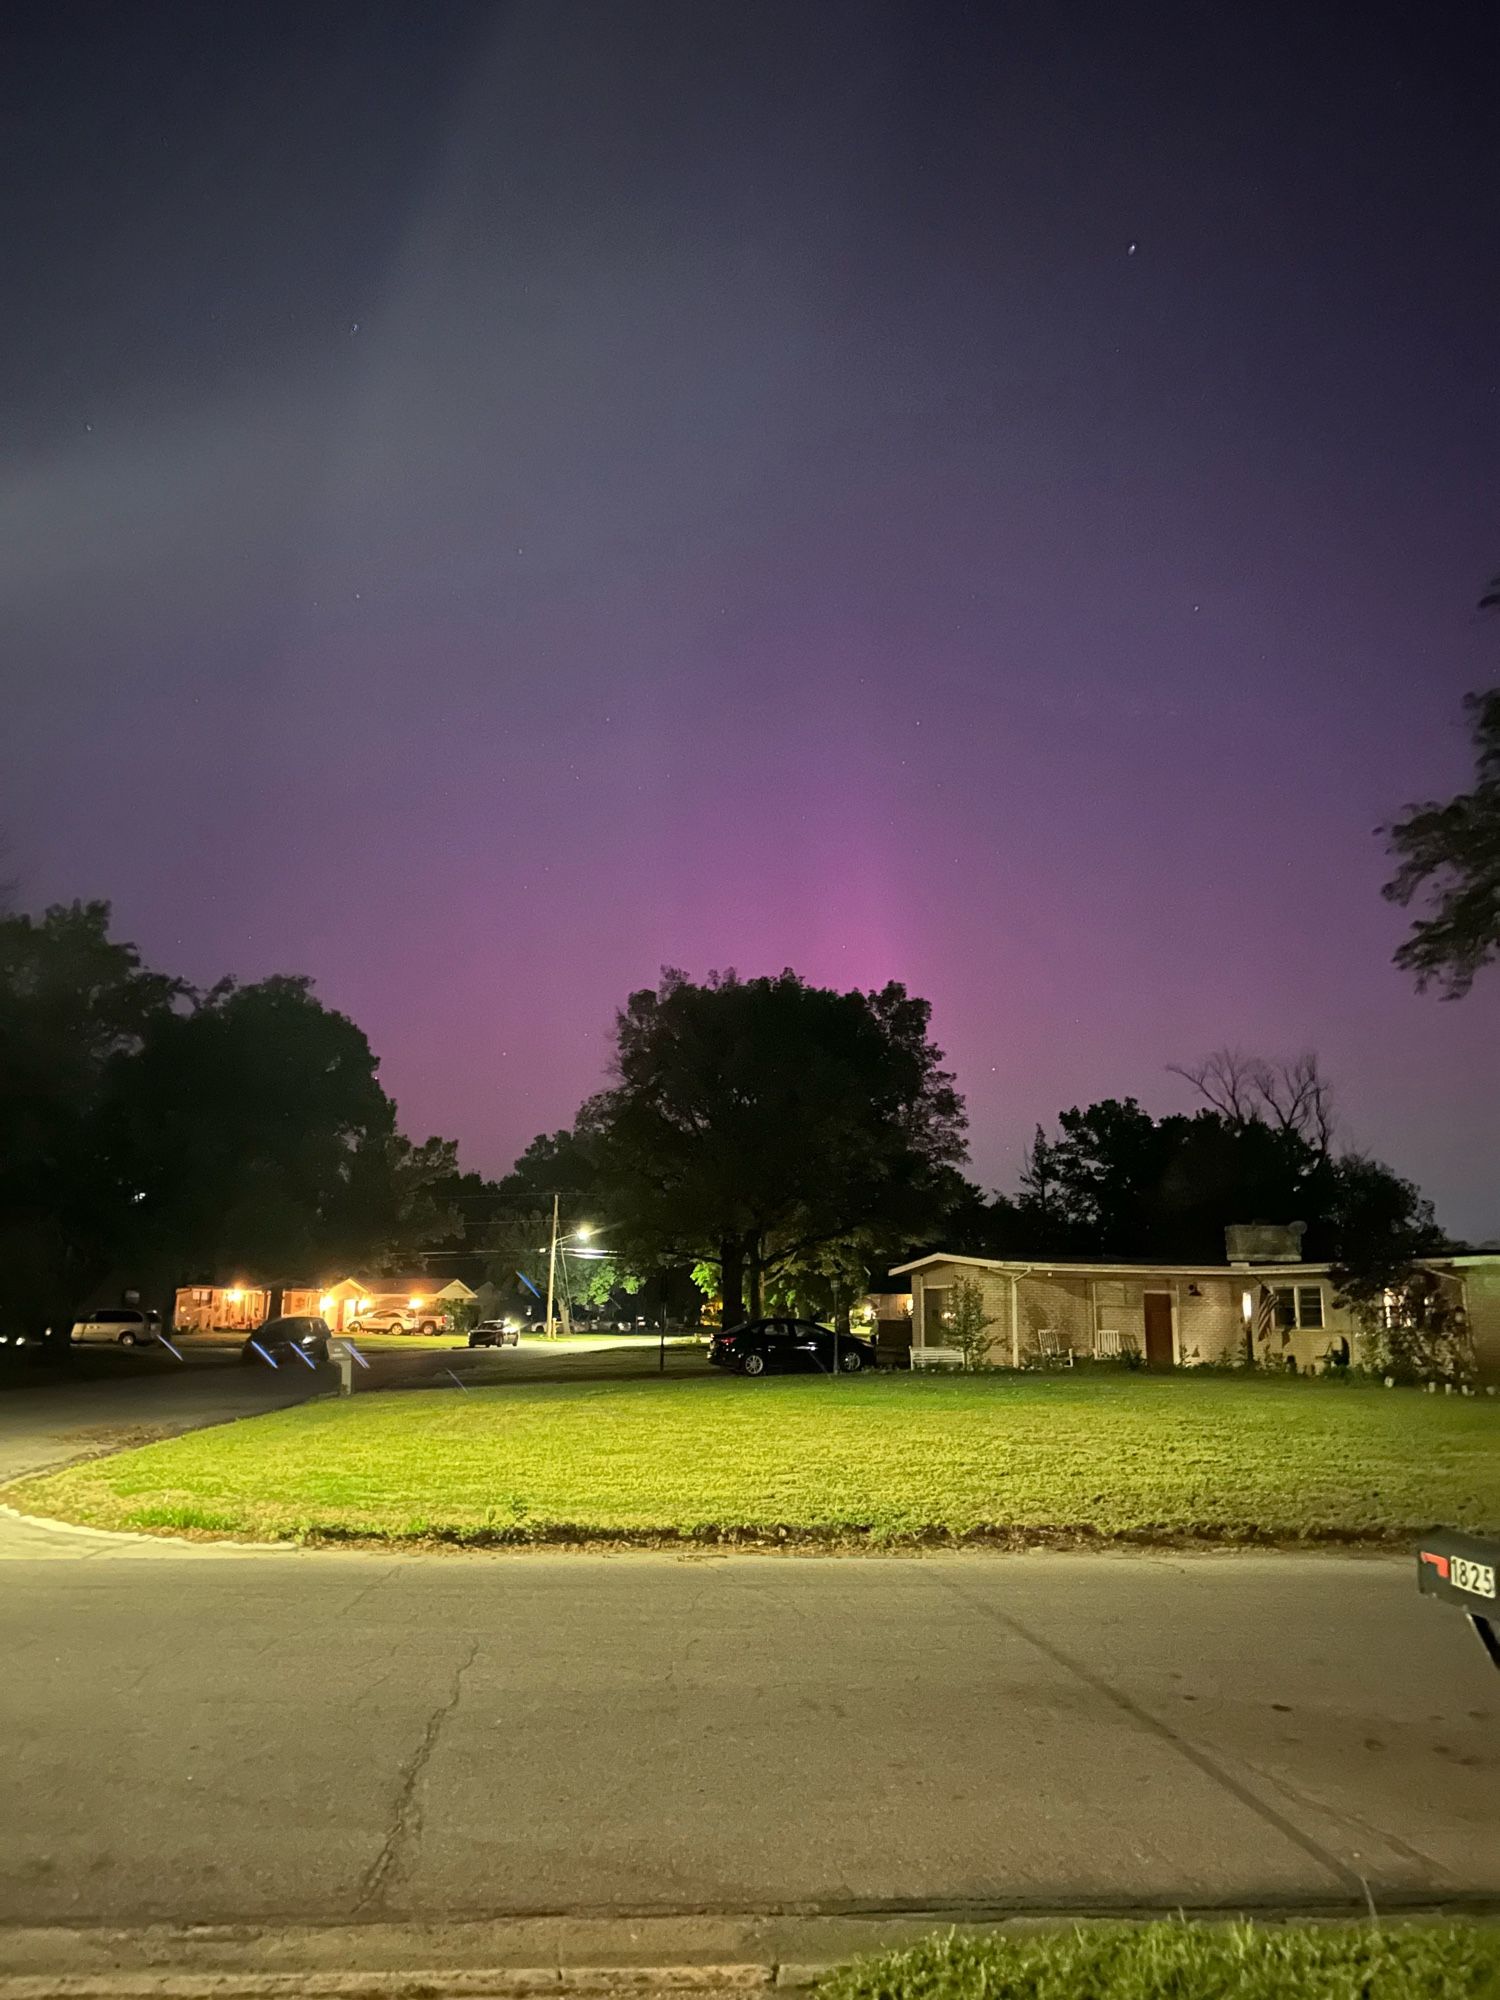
x: 1462, y: 1569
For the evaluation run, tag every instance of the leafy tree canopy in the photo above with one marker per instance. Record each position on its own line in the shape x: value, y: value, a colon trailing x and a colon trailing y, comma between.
x: 1117, y: 1183
x: 754, y: 1121
x: 150, y: 1134
x: 1448, y: 855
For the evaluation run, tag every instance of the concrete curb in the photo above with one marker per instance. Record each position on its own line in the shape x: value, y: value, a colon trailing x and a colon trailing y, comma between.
x: 698, y: 1956
x: 132, y: 1535
x: 502, y: 1982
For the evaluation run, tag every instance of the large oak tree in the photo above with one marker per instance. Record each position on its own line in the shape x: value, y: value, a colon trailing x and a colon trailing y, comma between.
x: 754, y: 1120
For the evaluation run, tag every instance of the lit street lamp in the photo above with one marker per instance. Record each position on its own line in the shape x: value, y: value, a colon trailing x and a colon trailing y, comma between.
x: 584, y: 1231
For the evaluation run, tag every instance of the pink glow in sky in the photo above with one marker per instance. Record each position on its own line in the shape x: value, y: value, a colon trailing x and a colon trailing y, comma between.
x: 503, y: 502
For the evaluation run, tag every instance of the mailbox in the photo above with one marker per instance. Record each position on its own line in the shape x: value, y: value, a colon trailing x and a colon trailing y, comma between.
x: 1462, y: 1570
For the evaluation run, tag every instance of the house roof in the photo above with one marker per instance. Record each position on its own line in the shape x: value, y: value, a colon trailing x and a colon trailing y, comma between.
x: 1021, y: 1267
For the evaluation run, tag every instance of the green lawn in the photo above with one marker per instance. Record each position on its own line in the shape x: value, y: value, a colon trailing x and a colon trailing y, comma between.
x: 1183, y: 1961
x: 888, y: 1459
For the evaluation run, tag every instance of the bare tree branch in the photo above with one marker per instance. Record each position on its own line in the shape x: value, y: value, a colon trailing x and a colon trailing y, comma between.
x: 1227, y: 1080
x: 1292, y: 1096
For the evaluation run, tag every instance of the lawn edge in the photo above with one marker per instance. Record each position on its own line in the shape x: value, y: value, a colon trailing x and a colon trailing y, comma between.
x: 725, y: 1538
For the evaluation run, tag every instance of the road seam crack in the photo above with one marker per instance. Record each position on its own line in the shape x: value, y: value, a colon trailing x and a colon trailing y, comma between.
x: 406, y: 1816
x: 1349, y: 1877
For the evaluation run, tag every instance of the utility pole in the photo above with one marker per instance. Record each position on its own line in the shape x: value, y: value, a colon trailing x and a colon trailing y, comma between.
x: 552, y: 1269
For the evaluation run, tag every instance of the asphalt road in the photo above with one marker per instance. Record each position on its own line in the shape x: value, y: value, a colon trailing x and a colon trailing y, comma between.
x: 208, y: 1735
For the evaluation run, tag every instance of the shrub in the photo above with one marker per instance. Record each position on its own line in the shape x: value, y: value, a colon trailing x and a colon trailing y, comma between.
x: 969, y: 1323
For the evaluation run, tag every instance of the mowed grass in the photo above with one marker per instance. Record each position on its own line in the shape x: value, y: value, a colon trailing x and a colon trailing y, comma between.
x: 1185, y: 1961
x: 887, y: 1459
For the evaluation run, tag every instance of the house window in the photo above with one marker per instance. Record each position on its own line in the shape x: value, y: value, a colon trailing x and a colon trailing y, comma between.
x: 1299, y: 1306
x: 202, y: 1297
x: 1109, y: 1304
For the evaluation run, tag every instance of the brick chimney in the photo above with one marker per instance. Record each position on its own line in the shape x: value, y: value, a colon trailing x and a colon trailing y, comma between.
x: 1264, y: 1242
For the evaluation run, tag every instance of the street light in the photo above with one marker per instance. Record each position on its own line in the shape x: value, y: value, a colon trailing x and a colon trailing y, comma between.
x: 585, y: 1230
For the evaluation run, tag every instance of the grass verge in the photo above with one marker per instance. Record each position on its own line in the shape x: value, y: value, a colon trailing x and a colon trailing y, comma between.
x: 884, y: 1461
x: 1187, y: 1961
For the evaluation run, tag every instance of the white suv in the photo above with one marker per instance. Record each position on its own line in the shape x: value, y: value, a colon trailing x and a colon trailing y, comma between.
x: 125, y: 1326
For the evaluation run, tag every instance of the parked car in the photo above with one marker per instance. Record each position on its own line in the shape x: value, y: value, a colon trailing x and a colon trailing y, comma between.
x: 393, y: 1319
x: 278, y: 1337
x: 124, y: 1326
x: 764, y: 1345
x: 494, y: 1333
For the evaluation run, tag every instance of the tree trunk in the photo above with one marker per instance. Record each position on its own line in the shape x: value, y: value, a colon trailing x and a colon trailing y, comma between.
x: 731, y: 1281
x: 755, y: 1275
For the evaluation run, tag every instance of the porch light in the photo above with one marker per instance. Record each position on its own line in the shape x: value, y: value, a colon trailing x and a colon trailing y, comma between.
x: 235, y: 1294
x: 325, y: 1304
x: 364, y: 1305
x: 415, y: 1304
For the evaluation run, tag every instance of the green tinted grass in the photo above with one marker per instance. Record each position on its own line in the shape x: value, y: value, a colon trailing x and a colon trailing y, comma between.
x: 1182, y: 1961
x: 885, y: 1460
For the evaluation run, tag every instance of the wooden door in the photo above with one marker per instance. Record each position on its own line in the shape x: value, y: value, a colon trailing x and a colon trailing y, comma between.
x: 1158, y: 1310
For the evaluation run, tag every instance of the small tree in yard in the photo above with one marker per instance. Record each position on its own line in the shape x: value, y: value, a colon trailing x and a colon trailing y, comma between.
x: 1416, y: 1331
x: 969, y: 1323
x: 460, y: 1316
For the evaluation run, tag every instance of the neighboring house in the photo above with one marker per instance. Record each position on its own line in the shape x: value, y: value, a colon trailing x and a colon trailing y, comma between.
x: 1179, y: 1314
x: 239, y: 1308
x: 222, y: 1308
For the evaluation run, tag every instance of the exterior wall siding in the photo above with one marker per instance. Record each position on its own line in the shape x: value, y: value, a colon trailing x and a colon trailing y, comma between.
x: 1210, y: 1325
x: 1059, y: 1303
x: 1482, y: 1302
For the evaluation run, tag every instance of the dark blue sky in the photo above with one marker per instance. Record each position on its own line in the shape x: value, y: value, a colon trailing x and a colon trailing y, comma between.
x: 497, y: 498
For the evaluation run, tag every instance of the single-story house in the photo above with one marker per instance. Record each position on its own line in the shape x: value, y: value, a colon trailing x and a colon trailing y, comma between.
x: 1179, y: 1314
x: 239, y: 1308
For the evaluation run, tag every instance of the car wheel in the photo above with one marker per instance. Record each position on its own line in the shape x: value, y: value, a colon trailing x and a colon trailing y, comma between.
x: 428, y: 1328
x: 753, y: 1364
x: 127, y: 1340
x: 851, y: 1361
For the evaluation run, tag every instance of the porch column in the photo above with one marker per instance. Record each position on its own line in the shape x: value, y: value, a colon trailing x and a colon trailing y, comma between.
x: 1015, y: 1320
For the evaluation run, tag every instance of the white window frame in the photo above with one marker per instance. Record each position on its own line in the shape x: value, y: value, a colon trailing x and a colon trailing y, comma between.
x: 1299, y: 1324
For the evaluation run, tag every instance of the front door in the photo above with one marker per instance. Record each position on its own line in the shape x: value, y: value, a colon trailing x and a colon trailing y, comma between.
x: 1158, y: 1307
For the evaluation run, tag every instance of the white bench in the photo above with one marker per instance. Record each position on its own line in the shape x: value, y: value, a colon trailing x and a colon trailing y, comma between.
x: 936, y: 1357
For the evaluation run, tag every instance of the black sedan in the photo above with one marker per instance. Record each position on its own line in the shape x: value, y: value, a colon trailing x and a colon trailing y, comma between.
x: 494, y: 1333
x: 278, y: 1338
x: 764, y: 1345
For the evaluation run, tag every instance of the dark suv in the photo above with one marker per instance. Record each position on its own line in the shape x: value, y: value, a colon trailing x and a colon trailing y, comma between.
x: 278, y: 1337
x: 764, y: 1345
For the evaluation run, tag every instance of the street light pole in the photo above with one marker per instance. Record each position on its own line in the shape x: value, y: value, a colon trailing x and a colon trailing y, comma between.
x: 552, y: 1269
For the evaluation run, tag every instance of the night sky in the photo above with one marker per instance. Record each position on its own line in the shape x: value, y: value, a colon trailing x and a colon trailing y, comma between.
x: 495, y: 499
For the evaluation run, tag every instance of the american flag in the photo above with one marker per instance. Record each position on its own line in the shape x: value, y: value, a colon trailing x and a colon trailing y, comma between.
x: 1265, y: 1315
